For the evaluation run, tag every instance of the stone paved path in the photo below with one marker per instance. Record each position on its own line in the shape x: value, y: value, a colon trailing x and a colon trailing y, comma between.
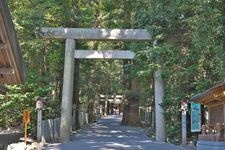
x: 107, y: 134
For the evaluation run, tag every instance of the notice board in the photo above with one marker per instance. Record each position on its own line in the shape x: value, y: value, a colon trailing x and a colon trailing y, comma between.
x: 195, y: 117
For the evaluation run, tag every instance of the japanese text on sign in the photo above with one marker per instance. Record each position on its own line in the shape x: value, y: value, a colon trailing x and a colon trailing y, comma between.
x: 26, y: 116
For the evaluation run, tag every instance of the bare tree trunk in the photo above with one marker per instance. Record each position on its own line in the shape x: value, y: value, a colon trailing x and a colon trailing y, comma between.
x: 134, y: 102
x: 76, y: 101
x: 75, y: 23
x: 126, y: 120
x: 97, y: 20
x: 91, y: 111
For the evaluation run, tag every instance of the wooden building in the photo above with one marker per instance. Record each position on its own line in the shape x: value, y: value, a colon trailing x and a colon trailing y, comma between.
x: 212, y: 135
x: 111, y: 104
x: 12, y: 70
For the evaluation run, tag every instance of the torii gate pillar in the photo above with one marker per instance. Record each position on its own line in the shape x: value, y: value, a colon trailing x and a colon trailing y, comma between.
x: 159, y: 112
x: 66, y: 112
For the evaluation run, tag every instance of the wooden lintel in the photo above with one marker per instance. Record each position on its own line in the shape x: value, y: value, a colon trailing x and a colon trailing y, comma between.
x: 3, y: 89
x: 104, y: 54
x: 93, y: 34
x: 6, y: 70
x: 214, y: 103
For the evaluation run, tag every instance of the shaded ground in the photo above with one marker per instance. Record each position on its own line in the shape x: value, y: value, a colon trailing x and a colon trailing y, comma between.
x: 107, y: 134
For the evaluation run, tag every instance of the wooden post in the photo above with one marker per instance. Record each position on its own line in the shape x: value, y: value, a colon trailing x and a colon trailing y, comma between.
x: 105, y: 113
x: 39, y: 120
x: 66, y: 108
x: 39, y: 106
x: 26, y: 120
x: 184, y: 128
x: 25, y: 133
x: 159, y: 112
x: 184, y: 109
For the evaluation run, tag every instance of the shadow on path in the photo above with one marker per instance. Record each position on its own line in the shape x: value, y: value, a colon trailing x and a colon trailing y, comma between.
x: 108, y: 134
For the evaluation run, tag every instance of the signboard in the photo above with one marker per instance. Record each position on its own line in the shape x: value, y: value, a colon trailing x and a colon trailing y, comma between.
x: 26, y: 120
x: 195, y: 117
x: 26, y: 116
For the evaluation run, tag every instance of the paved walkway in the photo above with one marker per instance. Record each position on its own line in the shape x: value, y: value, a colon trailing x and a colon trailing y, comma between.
x: 107, y: 134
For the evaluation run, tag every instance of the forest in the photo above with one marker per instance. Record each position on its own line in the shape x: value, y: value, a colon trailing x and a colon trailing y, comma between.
x: 187, y: 45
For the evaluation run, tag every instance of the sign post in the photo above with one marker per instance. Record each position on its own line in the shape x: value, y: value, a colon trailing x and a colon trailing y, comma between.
x: 39, y: 106
x: 184, y: 109
x: 26, y: 120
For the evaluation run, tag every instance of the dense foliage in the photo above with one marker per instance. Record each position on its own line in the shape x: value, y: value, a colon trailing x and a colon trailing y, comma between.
x: 188, y: 38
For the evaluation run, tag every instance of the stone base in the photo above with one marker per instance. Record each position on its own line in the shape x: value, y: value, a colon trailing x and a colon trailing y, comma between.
x: 210, y: 145
x: 10, y: 137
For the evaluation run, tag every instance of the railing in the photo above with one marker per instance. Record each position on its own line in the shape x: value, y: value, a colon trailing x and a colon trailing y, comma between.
x: 212, y: 132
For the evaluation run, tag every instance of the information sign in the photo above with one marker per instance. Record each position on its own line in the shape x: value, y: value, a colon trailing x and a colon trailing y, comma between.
x: 195, y: 117
x: 26, y: 116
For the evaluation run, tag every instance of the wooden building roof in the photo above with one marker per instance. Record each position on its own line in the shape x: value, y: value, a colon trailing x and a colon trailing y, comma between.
x: 211, y: 96
x: 12, y: 70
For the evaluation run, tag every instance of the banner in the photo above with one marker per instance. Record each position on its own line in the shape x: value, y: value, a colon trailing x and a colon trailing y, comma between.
x: 195, y: 117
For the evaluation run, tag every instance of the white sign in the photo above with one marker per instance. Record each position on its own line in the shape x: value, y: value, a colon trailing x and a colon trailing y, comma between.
x: 39, y: 104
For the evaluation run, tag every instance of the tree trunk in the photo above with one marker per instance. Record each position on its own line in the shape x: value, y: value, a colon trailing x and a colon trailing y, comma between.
x: 126, y: 85
x: 76, y: 101
x: 91, y: 112
x: 75, y: 23
x: 126, y: 82
x: 126, y: 114
x: 97, y: 20
x: 134, y: 102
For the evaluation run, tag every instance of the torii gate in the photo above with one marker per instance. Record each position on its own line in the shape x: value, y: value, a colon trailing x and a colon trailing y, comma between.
x: 72, y: 34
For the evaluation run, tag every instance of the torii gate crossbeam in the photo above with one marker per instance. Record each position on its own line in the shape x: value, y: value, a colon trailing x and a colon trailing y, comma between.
x: 94, y: 34
x: 103, y: 54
